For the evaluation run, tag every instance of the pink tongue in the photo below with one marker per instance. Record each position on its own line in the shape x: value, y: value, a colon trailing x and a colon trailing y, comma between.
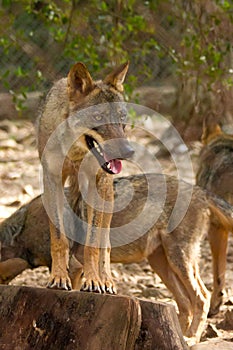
x: 115, y: 165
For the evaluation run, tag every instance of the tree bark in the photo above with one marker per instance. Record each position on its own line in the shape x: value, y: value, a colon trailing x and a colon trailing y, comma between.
x: 38, y: 318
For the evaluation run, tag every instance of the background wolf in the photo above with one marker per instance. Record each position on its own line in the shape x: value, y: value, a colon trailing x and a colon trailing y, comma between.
x: 215, y: 174
x: 173, y: 255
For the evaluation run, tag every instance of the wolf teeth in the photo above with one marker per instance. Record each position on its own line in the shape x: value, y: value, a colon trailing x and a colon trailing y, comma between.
x: 108, y: 166
x: 97, y: 147
x: 95, y: 144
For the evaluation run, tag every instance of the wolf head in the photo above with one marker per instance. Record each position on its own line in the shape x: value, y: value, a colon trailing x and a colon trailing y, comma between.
x: 103, y: 115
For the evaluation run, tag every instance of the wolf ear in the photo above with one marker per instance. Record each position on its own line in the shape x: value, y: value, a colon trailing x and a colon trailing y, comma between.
x: 117, y: 77
x: 79, y: 81
x: 211, y: 129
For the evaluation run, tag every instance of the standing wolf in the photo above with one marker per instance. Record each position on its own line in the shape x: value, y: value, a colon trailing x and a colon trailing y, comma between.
x: 215, y: 174
x: 68, y: 115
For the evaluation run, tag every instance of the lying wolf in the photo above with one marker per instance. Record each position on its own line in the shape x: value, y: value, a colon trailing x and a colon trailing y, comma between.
x: 146, y: 227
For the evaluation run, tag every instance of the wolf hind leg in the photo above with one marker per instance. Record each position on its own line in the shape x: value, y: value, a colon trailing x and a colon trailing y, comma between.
x: 161, y: 266
x: 218, y: 239
x: 186, y: 268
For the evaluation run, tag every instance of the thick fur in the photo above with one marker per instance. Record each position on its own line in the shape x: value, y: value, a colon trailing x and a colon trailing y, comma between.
x: 173, y: 255
x: 60, y: 123
x: 215, y: 174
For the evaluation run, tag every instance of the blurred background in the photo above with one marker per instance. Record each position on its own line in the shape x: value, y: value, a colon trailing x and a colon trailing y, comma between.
x: 180, y: 52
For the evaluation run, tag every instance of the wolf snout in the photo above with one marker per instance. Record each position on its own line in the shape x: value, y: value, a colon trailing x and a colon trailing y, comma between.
x: 117, y: 149
x: 122, y: 149
x: 128, y: 152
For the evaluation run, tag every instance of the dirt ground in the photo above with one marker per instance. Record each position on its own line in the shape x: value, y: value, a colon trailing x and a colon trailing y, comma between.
x: 19, y: 182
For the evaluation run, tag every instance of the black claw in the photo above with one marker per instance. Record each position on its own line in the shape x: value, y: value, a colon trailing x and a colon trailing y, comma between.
x: 50, y: 284
x: 109, y: 290
x: 103, y: 288
x: 97, y: 289
x: 92, y: 286
x: 53, y: 285
x: 63, y: 286
x: 83, y: 287
x: 67, y: 285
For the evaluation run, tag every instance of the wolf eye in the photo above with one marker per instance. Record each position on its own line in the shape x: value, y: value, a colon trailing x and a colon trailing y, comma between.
x: 98, y: 117
x: 123, y: 116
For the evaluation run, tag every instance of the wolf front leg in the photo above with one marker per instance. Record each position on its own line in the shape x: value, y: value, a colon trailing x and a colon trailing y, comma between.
x: 54, y: 205
x: 59, y: 277
x: 105, y: 249
x: 97, y: 274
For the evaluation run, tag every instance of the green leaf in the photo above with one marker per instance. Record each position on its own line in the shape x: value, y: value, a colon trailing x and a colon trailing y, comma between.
x: 6, y: 3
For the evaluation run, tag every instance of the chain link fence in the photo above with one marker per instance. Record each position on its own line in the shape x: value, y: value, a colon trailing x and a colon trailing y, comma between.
x: 33, y: 55
x: 183, y: 44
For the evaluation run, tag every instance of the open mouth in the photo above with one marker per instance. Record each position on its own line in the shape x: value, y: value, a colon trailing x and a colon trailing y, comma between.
x: 111, y: 166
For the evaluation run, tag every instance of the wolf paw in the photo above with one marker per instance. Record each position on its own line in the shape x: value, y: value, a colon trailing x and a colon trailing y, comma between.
x: 59, y: 283
x: 90, y: 281
x: 191, y: 341
x: 216, y: 302
x: 91, y: 286
x: 97, y: 286
x: 109, y: 287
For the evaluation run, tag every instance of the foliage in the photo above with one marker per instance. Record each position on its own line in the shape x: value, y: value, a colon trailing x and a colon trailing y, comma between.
x: 40, y: 39
x: 47, y: 37
x: 206, y: 53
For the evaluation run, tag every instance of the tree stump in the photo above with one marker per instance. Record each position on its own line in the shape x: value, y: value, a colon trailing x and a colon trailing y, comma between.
x: 160, y: 328
x: 38, y: 318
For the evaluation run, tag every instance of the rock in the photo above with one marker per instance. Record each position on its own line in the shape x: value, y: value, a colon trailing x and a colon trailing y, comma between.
x: 3, y: 135
x: 211, y: 332
x: 151, y: 292
x: 213, y: 344
x: 10, y: 143
x: 227, y: 323
x: 229, y: 302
